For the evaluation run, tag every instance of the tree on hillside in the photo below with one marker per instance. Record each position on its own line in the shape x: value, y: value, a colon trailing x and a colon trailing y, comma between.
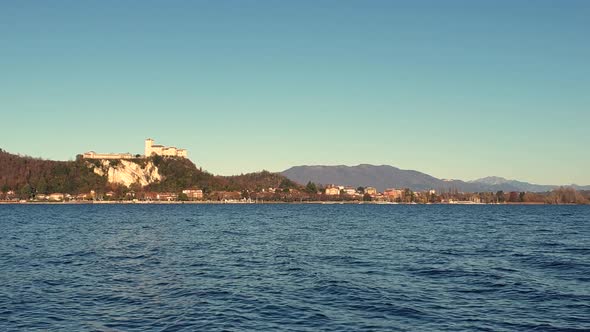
x: 288, y: 184
x: 41, y: 186
x: 500, y: 197
x: 26, y: 192
x: 311, y: 188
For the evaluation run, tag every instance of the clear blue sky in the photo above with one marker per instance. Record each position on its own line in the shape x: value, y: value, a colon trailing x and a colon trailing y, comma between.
x: 457, y: 89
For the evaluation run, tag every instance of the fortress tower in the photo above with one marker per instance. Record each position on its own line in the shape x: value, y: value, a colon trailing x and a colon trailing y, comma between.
x: 148, y: 147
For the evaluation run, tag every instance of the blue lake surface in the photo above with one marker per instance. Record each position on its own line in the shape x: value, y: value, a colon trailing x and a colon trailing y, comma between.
x: 294, y: 268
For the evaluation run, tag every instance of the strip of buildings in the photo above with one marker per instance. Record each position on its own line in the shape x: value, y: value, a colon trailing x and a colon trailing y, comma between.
x: 150, y: 150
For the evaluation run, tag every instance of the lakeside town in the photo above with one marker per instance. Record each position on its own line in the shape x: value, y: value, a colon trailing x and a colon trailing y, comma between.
x: 311, y: 193
x: 166, y: 175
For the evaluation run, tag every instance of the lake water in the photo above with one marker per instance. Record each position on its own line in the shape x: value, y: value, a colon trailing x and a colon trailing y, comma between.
x: 294, y: 268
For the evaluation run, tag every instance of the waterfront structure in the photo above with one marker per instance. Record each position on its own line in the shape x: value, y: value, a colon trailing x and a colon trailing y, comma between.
x: 226, y: 195
x: 393, y: 193
x: 349, y: 191
x: 165, y: 196
x: 193, y: 193
x: 370, y: 191
x: 56, y: 197
x: 83, y: 196
x: 332, y: 191
x: 160, y: 150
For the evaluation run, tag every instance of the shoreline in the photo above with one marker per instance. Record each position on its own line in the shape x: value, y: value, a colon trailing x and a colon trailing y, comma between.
x: 255, y: 203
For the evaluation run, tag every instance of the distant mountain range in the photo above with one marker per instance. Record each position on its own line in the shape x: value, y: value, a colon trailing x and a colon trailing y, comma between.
x: 512, y: 185
x: 26, y: 174
x: 384, y: 176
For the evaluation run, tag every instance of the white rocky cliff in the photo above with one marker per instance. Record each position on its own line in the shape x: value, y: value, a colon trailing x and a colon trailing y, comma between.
x: 127, y: 172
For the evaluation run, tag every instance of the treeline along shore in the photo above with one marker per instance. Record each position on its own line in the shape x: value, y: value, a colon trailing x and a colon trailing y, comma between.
x: 158, y: 179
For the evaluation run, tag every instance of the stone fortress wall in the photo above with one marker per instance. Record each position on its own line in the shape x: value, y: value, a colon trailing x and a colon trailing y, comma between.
x: 161, y: 150
x: 150, y: 149
x: 94, y: 155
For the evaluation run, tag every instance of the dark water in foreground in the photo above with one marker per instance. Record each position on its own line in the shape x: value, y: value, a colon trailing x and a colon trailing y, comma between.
x: 294, y: 268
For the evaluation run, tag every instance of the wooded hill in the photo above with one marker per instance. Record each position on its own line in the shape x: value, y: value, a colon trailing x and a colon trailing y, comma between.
x: 26, y: 175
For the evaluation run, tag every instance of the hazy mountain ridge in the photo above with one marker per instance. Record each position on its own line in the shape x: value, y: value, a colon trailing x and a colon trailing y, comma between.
x: 380, y: 177
x: 520, y: 185
x: 385, y: 176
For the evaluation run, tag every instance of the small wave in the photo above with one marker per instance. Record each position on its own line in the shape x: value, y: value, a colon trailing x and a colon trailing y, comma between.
x: 294, y: 268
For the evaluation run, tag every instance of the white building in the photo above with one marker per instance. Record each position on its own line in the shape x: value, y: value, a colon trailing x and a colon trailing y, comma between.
x: 193, y: 193
x: 160, y: 150
x: 350, y: 191
x: 370, y: 191
x: 56, y: 197
x: 332, y: 190
x: 94, y: 155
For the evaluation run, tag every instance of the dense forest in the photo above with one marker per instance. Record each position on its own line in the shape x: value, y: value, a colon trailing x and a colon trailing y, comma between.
x: 181, y: 173
x: 28, y: 176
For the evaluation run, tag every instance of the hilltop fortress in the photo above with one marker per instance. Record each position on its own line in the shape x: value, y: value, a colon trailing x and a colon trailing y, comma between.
x: 150, y: 149
x: 161, y: 150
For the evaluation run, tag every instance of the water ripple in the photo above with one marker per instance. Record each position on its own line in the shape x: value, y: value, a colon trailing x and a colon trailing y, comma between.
x: 294, y: 268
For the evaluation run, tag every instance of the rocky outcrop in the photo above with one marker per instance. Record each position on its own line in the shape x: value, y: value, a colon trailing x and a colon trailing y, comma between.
x: 127, y: 172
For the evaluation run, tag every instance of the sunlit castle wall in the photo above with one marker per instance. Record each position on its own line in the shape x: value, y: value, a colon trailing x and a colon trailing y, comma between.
x: 94, y: 155
x: 157, y: 149
x: 169, y: 152
x: 160, y: 150
x: 148, y: 147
